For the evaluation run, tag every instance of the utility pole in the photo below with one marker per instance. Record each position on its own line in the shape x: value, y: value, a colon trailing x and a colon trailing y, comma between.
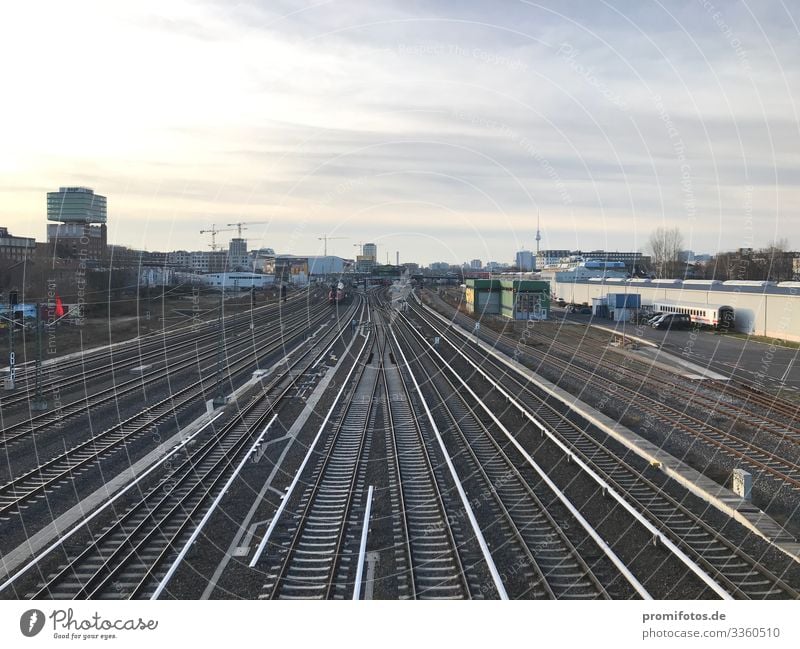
x: 252, y: 305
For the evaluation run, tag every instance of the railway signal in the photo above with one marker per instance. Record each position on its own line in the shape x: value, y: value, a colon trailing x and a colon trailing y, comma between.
x: 13, y: 300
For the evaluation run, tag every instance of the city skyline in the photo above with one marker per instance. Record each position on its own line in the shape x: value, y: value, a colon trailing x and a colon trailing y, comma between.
x: 334, y: 300
x: 438, y: 130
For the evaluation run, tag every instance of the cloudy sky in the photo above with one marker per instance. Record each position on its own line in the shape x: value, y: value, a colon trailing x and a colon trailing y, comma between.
x: 435, y: 128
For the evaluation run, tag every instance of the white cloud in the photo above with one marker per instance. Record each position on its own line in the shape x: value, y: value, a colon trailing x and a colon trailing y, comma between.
x: 186, y: 112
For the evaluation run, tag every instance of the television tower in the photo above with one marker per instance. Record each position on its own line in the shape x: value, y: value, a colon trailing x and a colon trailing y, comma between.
x: 538, y: 233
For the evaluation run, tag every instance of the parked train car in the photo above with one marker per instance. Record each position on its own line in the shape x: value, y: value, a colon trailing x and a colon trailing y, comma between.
x: 338, y: 293
x: 712, y: 315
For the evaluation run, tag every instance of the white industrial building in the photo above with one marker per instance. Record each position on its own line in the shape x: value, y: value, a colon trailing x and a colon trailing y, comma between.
x: 238, y: 281
x: 578, y: 269
x: 326, y: 265
x: 760, y: 308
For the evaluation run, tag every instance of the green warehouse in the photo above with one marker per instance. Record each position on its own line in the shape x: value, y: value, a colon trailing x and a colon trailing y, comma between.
x: 518, y: 299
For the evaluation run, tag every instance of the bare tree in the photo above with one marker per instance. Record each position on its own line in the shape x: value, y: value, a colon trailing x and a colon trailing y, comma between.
x: 666, y: 245
x: 778, y: 261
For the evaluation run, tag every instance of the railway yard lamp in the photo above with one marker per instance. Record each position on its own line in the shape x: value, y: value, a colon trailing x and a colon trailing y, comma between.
x: 252, y: 306
x: 219, y: 399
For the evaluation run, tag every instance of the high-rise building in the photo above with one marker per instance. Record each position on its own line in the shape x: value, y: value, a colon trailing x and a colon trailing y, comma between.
x: 475, y: 264
x: 77, y: 240
x: 371, y: 251
x: 525, y: 260
x: 237, y: 254
x: 75, y: 210
x: 76, y: 205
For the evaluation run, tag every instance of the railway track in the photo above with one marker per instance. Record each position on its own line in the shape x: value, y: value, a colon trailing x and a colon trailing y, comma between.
x: 593, y: 355
x: 311, y: 545
x: 188, y: 360
x: 129, y: 556
x: 739, y: 574
x: 81, y: 371
x: 316, y: 562
x: 429, y: 544
x: 758, y: 460
x: 64, y: 467
x: 748, y: 394
x: 545, y: 561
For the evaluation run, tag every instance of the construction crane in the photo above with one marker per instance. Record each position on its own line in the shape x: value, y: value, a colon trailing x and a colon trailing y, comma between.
x: 213, y: 231
x: 360, y: 247
x: 241, y: 225
x: 326, y: 239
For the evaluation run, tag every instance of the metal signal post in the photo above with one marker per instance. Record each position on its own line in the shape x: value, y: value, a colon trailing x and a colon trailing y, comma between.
x: 10, y: 380
x: 39, y: 402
